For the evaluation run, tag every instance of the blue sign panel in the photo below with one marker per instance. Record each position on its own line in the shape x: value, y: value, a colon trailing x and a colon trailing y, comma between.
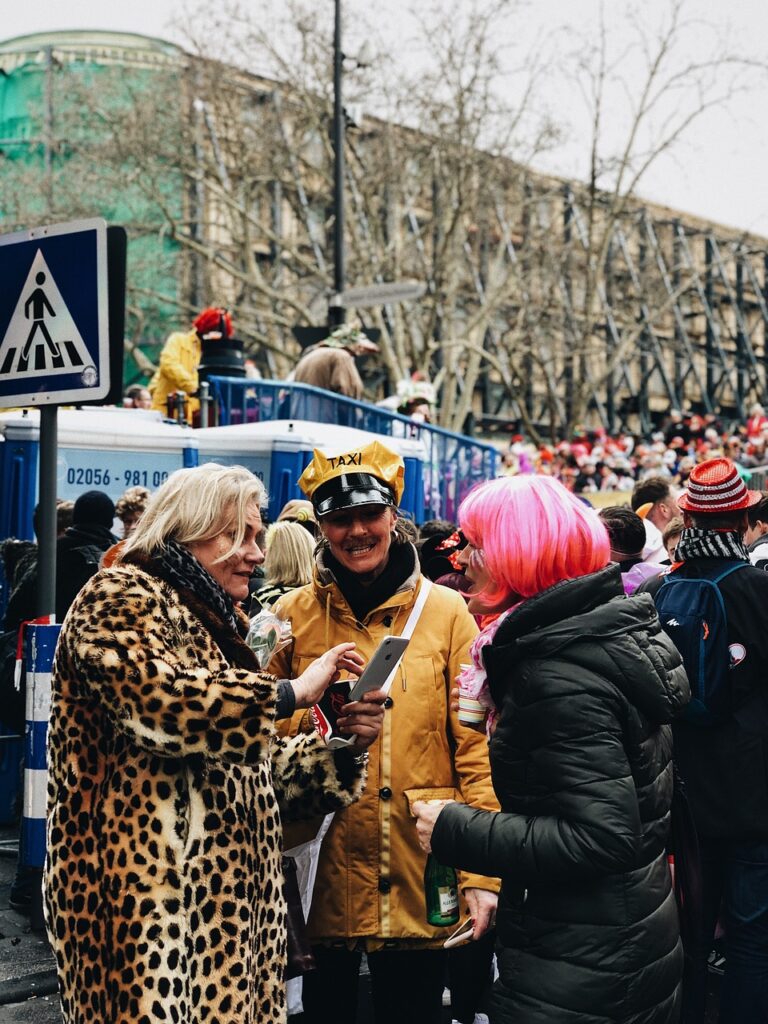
x: 54, y: 315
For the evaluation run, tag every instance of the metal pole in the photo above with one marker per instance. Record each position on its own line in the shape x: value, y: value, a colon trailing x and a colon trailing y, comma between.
x: 46, y: 594
x: 336, y: 313
x: 205, y: 402
x: 48, y: 128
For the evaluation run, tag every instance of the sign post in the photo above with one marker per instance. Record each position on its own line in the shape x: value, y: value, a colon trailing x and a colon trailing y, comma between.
x: 61, y: 316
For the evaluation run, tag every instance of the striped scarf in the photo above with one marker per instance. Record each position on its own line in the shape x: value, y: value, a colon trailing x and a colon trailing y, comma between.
x: 696, y: 542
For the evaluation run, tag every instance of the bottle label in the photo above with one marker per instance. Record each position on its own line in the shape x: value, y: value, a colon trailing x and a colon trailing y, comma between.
x: 449, y: 900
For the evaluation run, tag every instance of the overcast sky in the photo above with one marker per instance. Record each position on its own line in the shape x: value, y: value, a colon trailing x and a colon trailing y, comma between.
x: 720, y: 172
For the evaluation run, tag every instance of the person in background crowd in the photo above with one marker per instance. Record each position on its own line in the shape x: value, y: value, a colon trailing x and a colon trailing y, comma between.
x: 677, y: 426
x: 655, y: 503
x: 331, y: 363
x: 129, y: 509
x: 164, y: 881
x: 288, y: 563
x: 180, y: 359
x: 438, y: 555
x: 670, y: 536
x: 757, y: 422
x: 585, y: 684
x: 626, y: 534
x: 299, y: 511
x: 369, y: 894
x: 78, y: 554
x: 137, y: 396
x: 756, y: 536
x: 20, y: 557
x: 723, y: 764
x: 436, y: 528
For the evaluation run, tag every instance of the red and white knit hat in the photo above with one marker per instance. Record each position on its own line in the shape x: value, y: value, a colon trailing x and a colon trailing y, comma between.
x: 715, y: 486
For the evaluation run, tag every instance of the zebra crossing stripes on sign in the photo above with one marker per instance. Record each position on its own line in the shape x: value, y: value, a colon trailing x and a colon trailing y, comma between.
x: 42, y: 337
x: 54, y: 315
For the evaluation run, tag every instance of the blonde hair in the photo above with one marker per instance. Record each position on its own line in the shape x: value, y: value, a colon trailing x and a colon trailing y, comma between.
x: 196, y: 505
x: 289, y: 558
x: 132, y: 502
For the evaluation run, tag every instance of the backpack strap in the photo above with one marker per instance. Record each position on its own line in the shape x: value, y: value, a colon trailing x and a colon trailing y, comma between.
x: 730, y: 569
x: 669, y: 578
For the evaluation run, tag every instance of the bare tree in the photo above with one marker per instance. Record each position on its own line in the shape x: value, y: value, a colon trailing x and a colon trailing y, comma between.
x: 222, y: 170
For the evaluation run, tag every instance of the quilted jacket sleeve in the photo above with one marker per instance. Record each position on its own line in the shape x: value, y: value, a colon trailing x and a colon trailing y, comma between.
x: 594, y: 826
x: 470, y: 748
x: 126, y: 643
x: 310, y: 780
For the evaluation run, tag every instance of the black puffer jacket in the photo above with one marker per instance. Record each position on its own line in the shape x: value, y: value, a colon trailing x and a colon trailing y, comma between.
x: 586, y: 683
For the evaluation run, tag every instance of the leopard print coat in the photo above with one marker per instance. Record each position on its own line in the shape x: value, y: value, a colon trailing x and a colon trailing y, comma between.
x: 167, y: 787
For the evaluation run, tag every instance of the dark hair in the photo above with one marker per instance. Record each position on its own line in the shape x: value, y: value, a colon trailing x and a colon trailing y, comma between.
x: 436, y: 528
x: 759, y: 512
x: 718, y: 520
x: 625, y: 529
x: 654, y: 489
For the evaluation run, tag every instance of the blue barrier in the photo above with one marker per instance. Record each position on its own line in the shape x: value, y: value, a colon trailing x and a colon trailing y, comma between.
x: 453, y: 464
x: 40, y: 644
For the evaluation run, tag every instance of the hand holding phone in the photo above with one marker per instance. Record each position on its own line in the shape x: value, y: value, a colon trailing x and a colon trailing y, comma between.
x: 386, y: 658
x: 461, y: 934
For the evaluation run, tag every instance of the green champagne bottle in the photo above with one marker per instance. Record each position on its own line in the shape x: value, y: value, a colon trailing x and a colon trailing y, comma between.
x: 441, y: 889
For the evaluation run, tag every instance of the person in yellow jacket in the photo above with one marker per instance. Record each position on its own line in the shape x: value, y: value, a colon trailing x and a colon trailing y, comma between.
x: 369, y: 892
x: 180, y: 359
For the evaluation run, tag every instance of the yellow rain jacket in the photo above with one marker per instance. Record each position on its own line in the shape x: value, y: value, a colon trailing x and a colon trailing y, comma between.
x: 177, y: 371
x: 370, y: 877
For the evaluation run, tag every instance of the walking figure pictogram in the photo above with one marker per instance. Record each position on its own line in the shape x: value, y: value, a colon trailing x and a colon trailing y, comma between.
x: 39, y: 302
x: 41, y: 336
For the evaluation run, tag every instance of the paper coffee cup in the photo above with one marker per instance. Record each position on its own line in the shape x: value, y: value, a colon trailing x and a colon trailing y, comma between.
x: 471, y: 711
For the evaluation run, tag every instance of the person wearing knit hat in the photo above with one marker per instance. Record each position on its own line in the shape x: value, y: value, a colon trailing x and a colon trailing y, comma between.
x: 369, y: 894
x: 80, y: 550
x: 180, y: 359
x: 722, y: 764
x: 331, y: 363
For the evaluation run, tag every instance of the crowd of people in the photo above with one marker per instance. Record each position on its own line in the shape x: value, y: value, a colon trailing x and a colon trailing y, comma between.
x: 593, y: 462
x: 577, y: 726
x: 526, y: 738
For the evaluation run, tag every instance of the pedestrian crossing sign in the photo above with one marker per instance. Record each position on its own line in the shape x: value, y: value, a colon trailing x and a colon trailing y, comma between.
x: 54, y: 315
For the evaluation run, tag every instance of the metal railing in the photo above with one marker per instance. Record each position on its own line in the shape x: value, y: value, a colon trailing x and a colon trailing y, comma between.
x: 453, y: 463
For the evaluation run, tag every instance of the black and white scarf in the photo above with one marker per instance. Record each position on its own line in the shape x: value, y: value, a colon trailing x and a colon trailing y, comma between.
x: 696, y: 542
x: 183, y: 571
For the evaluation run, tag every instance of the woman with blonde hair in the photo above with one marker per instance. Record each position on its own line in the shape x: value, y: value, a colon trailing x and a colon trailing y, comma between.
x: 288, y: 562
x: 585, y: 685
x: 167, y: 780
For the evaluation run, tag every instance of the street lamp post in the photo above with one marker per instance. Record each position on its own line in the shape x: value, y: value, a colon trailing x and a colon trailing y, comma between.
x: 336, y: 313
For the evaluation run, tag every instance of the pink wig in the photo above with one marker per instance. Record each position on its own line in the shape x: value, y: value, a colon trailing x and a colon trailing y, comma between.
x: 533, y: 534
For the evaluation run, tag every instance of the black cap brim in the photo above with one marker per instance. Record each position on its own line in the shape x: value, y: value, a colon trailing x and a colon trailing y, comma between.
x: 350, y: 490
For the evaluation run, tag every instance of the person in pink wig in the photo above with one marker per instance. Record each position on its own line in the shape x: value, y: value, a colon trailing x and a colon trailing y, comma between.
x: 585, y: 684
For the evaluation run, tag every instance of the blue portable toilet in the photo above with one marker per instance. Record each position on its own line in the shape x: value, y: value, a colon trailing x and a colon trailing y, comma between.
x: 104, y: 449
x: 277, y: 452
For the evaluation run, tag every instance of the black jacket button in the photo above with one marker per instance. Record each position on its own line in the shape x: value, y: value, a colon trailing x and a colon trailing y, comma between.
x: 384, y: 885
x: 388, y: 703
x: 385, y: 793
x: 387, y: 620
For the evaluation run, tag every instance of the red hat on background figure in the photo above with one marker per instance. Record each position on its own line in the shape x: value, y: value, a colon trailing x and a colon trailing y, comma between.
x: 214, y: 322
x: 715, y: 486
